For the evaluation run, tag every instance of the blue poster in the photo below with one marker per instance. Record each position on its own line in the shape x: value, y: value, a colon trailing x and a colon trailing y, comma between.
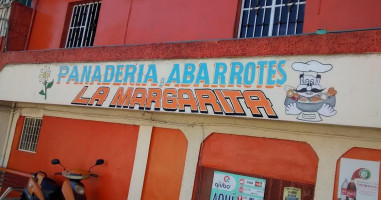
x: 228, y: 186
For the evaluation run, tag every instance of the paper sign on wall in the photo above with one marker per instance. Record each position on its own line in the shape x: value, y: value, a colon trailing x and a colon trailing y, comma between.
x: 232, y: 186
x: 292, y: 193
x: 358, y: 179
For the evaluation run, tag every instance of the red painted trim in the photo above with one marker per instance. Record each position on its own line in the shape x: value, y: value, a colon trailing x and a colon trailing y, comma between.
x: 69, y: 12
x: 237, y: 19
x: 334, y: 43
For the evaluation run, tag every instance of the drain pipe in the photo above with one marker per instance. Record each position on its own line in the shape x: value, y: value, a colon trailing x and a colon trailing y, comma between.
x: 8, y: 134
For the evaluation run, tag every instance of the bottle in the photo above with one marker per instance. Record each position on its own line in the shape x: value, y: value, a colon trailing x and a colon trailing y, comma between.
x: 351, y: 190
x: 344, y: 187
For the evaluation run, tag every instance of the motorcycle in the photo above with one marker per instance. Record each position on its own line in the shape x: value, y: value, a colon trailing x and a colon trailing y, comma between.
x: 72, y: 187
x: 40, y: 187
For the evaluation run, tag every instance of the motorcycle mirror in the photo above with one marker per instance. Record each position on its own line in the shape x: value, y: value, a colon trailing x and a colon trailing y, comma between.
x: 99, y: 162
x: 56, y: 162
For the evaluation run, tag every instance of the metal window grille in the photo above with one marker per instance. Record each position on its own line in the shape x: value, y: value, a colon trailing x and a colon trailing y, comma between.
x: 83, y: 25
x: 5, y: 7
x: 25, y: 2
x: 261, y: 18
x: 30, y: 134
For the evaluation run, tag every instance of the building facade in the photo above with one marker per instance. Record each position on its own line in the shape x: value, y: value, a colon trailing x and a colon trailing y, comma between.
x: 240, y: 99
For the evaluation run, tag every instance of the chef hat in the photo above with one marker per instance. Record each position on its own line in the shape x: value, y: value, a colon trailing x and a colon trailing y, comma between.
x: 312, y: 67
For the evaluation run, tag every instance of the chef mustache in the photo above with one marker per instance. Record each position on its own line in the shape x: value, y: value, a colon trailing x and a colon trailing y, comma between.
x: 314, y: 90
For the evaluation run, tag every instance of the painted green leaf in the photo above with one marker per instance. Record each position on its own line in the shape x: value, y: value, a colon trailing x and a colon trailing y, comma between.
x: 42, y: 92
x: 50, y: 84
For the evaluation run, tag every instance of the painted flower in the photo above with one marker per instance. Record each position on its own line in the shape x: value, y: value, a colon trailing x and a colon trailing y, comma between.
x: 45, y: 74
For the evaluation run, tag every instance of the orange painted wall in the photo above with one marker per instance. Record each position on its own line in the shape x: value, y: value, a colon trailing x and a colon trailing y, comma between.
x: 165, y: 166
x: 283, y: 159
x: 158, y: 21
x: 78, y: 143
x: 112, y: 22
x: 336, y: 15
x: 48, y: 24
x: 149, y: 21
x: 361, y: 154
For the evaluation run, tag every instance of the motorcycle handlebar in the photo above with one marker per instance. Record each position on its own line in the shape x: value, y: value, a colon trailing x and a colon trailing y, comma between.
x: 93, y: 175
x: 35, y: 174
x: 58, y: 173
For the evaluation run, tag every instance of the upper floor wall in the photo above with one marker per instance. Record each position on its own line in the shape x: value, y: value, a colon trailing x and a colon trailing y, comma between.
x: 157, y: 21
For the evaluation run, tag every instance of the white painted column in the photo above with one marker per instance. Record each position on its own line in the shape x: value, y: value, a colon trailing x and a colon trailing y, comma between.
x: 10, y: 137
x: 140, y: 163
x: 195, y: 137
x: 328, y: 151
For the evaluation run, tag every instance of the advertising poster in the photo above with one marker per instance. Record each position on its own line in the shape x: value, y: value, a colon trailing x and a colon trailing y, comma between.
x: 358, y: 179
x: 232, y: 186
x: 292, y: 193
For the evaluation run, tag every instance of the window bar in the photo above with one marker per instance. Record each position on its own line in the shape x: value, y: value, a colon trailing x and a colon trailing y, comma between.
x: 70, y: 29
x: 80, y: 34
x: 27, y: 138
x: 74, y: 31
x: 33, y: 130
x: 34, y: 135
x: 22, y: 135
x: 31, y: 134
x: 83, y: 25
x: 94, y: 20
x: 2, y: 10
x: 75, y: 27
x: 248, y: 19
x: 39, y: 121
x: 272, y: 16
x: 255, y: 20
x: 29, y: 128
x: 263, y: 21
x: 88, y: 24
x: 78, y: 27
x: 288, y: 17
x: 296, y: 18
x: 280, y: 17
x: 91, y: 22
x: 240, y: 20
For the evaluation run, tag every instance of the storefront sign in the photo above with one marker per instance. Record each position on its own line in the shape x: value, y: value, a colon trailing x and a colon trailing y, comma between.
x: 228, y: 186
x: 327, y: 89
x: 292, y: 193
x: 358, y: 179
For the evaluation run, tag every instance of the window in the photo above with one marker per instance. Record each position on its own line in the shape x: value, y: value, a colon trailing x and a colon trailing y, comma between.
x: 25, y: 2
x: 83, y: 24
x: 30, y: 134
x: 5, y: 7
x: 261, y: 18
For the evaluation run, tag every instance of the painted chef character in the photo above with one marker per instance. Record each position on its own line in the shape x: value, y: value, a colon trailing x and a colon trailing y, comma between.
x: 308, y: 100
